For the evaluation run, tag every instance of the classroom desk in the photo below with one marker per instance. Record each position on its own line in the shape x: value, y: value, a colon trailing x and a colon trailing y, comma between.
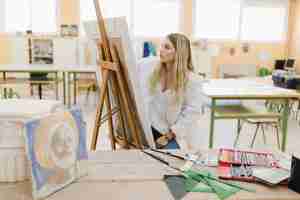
x: 29, y: 68
x: 132, y: 175
x: 66, y: 70
x: 71, y: 73
x: 226, y: 89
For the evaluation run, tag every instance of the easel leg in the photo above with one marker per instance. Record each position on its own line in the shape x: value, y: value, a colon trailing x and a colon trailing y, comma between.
x: 110, y: 121
x: 99, y: 111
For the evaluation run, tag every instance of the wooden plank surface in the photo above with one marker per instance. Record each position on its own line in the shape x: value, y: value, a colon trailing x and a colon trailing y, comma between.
x: 140, y: 178
x: 28, y: 68
x: 47, y: 68
x: 14, y: 109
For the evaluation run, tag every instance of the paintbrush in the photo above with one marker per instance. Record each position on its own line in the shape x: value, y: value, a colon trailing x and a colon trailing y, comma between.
x: 169, y: 154
x: 201, y: 175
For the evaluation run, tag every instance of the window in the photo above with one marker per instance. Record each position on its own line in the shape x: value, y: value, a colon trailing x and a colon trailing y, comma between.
x: 17, y: 16
x: 142, y: 15
x: 2, y: 19
x: 264, y: 22
x: 44, y: 16
x: 36, y: 15
x: 156, y: 17
x: 87, y: 11
x: 217, y: 19
x: 249, y: 20
x: 108, y: 8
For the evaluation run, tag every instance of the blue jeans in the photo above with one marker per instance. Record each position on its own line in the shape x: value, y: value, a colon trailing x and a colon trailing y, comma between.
x: 172, y: 144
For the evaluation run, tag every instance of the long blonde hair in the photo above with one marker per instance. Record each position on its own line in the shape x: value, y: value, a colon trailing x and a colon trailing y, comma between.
x: 183, y: 64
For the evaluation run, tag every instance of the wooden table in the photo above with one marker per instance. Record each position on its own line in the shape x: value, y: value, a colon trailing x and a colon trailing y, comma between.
x: 31, y: 68
x: 65, y: 70
x: 133, y: 175
x: 71, y: 74
x: 225, y: 89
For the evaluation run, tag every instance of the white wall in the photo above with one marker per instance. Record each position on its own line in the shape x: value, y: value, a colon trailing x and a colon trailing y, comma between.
x: 66, y: 51
x: 202, y: 61
x: 2, y: 15
x: 248, y: 70
x: 19, y: 50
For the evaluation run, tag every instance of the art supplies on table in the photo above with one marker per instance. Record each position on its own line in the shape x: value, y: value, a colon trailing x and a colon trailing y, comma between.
x: 250, y: 158
x: 239, y: 165
x: 202, y: 159
x: 193, y: 179
x: 283, y: 160
x: 176, y: 185
x: 239, y: 173
x: 271, y: 176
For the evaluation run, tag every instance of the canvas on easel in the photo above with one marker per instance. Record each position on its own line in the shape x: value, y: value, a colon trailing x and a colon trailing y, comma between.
x: 119, y: 34
x: 117, y: 60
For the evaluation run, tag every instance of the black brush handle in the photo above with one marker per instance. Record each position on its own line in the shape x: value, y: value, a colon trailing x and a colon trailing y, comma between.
x: 168, y: 153
x: 156, y: 158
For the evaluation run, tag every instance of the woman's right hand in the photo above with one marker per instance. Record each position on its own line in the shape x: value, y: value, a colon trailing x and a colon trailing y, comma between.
x: 162, y: 141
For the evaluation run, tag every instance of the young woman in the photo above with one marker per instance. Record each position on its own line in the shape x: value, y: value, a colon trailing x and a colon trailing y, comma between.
x: 174, y: 91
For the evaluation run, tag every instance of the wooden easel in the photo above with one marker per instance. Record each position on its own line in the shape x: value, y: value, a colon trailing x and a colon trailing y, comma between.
x: 115, y: 84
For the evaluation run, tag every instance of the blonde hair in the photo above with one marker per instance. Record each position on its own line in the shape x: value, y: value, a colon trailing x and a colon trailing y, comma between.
x: 183, y: 64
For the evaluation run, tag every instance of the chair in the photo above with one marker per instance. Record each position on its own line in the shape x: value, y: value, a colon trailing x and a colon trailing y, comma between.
x: 278, y: 105
x: 7, y: 88
x: 89, y: 85
x: 260, y: 123
x: 297, y: 110
x: 294, y: 108
x: 39, y: 79
x: 84, y: 82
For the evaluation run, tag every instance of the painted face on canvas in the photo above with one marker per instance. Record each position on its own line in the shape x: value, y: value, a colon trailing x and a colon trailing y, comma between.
x: 167, y: 52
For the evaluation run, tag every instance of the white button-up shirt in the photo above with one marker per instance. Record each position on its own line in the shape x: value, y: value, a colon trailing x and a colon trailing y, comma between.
x: 166, y: 112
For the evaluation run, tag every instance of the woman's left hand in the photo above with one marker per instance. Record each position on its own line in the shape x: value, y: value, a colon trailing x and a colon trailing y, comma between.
x: 164, y: 139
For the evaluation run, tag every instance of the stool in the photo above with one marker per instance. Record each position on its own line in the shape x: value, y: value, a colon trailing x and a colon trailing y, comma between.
x: 7, y: 89
x: 260, y: 123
